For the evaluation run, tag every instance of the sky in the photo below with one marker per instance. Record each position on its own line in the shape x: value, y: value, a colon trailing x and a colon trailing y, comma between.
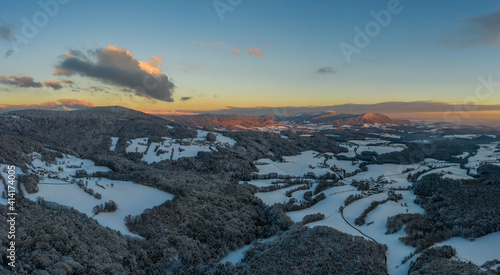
x: 193, y: 56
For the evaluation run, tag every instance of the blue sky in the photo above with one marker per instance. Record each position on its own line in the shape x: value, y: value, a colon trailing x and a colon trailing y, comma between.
x: 429, y: 51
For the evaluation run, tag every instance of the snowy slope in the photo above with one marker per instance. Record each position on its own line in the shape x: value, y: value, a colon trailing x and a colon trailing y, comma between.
x: 174, y: 149
x: 57, y: 185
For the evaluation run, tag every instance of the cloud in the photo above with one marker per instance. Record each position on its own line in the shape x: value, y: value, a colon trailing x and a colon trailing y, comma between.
x: 254, y: 51
x: 112, y: 65
x: 384, y: 107
x: 9, y: 52
x: 483, y: 30
x: 199, y: 94
x: 59, y: 71
x: 67, y: 81
x: 186, y: 98
x: 20, y: 81
x: 58, y: 105
x: 188, y: 68
x: 75, y: 102
x: 6, y: 32
x: 326, y: 70
x: 56, y: 85
x: 236, y: 52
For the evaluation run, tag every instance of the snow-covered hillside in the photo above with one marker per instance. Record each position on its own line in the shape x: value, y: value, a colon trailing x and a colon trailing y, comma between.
x: 59, y: 184
x: 174, y: 149
x: 384, y: 177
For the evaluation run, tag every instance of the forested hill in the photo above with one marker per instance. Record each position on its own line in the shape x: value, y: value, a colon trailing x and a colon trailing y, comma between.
x: 339, y: 119
x: 222, y: 121
x: 88, y: 131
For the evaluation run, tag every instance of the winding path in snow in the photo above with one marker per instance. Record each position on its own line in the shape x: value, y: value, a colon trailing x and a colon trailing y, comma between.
x: 342, y: 214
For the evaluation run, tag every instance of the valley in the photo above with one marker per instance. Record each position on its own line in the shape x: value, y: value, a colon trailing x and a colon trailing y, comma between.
x: 214, y: 198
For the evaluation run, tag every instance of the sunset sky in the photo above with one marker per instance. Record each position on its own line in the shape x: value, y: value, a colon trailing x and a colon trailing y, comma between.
x: 188, y: 56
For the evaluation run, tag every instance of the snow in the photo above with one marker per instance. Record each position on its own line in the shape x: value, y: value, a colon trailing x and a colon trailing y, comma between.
x: 298, y: 165
x: 261, y: 183
x: 353, y: 210
x: 467, y: 136
x: 56, y: 186
x: 393, y: 173
x: 175, y: 149
x: 396, y: 175
x: 61, y: 170
x: 452, y: 172
x: 132, y: 199
x: 278, y: 196
x: 237, y: 255
x: 390, y: 135
x: 351, y: 152
x: 479, y: 251
x: 380, y: 149
x: 396, y: 249
x: 368, y: 141
x: 138, y: 145
x: 485, y: 154
x: 462, y: 156
x: 347, y: 165
x: 388, y: 171
x: 221, y: 139
x: 364, y: 145
x: 114, y: 141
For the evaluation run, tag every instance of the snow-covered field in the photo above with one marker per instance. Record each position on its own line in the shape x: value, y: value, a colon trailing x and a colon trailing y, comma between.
x: 466, y: 136
x: 57, y: 184
x: 280, y: 197
x: 394, y: 176
x: 132, y: 199
x: 479, y: 251
x: 452, y: 172
x: 64, y: 169
x: 366, y: 145
x: 486, y: 153
x: 114, y: 141
x: 308, y: 161
x: 174, y: 149
x: 237, y: 255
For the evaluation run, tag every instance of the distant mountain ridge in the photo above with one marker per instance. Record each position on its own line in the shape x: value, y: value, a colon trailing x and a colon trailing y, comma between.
x: 222, y: 121
x: 240, y: 122
x: 339, y: 119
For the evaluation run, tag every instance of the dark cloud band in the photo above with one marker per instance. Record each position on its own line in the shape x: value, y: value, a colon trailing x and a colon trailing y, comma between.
x: 118, y: 67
